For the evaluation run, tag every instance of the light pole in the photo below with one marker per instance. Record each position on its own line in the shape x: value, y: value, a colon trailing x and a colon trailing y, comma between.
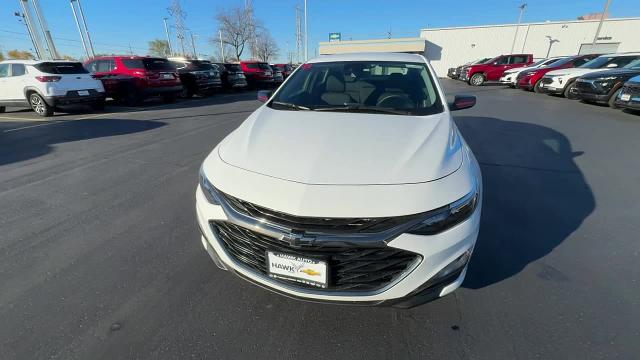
x: 221, y: 46
x: 306, y: 31
x: 166, y: 31
x: 522, y: 7
x: 193, y: 44
x: 595, y: 38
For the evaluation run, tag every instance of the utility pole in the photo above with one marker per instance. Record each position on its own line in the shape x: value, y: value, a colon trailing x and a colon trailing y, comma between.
x: 35, y: 35
x: 86, y: 28
x: 29, y: 30
x: 166, y: 31
x: 45, y: 30
x: 176, y: 11
x: 522, y: 7
x: 604, y: 12
x: 298, y: 34
x: 221, y: 46
x: 306, y: 33
x: 193, y: 45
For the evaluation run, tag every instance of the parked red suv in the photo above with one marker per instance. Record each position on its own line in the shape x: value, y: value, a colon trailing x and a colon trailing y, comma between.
x: 136, y: 77
x: 477, y: 75
x: 258, y: 74
x: 530, y: 79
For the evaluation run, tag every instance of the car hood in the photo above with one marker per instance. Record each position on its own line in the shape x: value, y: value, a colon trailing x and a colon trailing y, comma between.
x: 623, y: 73
x: 334, y: 148
x: 574, y: 71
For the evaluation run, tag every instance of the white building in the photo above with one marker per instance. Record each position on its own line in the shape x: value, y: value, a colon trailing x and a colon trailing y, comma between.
x: 449, y: 47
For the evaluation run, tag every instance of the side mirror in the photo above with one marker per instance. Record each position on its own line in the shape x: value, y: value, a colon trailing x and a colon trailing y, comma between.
x: 264, y: 95
x: 462, y: 102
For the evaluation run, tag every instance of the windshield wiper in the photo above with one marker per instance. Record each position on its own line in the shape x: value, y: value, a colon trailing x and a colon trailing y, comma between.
x: 290, y: 105
x: 365, y: 109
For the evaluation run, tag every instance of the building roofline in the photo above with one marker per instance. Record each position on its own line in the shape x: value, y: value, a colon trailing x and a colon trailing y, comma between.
x: 531, y: 23
x: 373, y: 41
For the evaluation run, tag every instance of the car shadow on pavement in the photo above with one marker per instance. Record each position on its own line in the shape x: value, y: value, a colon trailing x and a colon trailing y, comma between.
x: 32, y: 142
x: 534, y: 196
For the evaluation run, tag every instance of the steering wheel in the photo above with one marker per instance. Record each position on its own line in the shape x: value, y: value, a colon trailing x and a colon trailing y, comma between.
x: 394, y: 101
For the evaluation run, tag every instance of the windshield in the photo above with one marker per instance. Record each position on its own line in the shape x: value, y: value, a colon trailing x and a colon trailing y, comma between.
x: 61, y: 68
x: 634, y: 65
x: 233, y: 67
x: 262, y: 66
x: 363, y: 86
x: 609, y: 61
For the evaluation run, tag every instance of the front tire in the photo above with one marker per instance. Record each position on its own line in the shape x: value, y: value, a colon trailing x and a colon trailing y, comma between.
x: 477, y: 80
x: 186, y: 92
x: 536, y: 87
x: 2, y: 109
x: 612, y: 99
x: 567, y: 91
x: 39, y: 105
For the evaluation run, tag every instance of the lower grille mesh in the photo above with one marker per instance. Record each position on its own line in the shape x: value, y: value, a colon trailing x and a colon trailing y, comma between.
x: 350, y: 268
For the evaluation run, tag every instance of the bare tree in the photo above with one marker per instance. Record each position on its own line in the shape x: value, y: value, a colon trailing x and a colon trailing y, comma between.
x: 266, y: 46
x: 159, y: 47
x: 236, y: 26
x: 20, y: 55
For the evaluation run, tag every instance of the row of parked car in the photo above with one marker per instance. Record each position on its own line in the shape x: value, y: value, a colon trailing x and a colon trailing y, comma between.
x: 610, y: 79
x: 46, y: 85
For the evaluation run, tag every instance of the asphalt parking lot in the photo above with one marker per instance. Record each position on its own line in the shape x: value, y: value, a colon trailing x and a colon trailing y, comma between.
x: 100, y: 256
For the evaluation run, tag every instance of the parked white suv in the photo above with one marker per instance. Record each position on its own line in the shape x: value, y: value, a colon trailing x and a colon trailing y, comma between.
x: 562, y: 82
x: 45, y: 85
x: 352, y: 184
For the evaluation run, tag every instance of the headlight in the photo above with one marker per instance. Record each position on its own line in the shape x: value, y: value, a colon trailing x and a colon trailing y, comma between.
x: 447, y: 216
x: 209, y: 191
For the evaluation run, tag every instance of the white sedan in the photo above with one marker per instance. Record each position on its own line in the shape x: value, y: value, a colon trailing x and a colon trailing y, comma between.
x: 351, y: 184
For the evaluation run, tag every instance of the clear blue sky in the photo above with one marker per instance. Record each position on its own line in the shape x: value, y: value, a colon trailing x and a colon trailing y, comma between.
x: 116, y: 24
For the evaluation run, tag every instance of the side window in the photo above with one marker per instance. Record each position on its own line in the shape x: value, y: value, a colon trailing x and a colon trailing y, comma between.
x: 622, y: 61
x: 517, y: 59
x: 503, y: 60
x: 18, y: 70
x: 4, y: 70
x: 579, y: 62
x: 104, y: 65
x: 91, y: 66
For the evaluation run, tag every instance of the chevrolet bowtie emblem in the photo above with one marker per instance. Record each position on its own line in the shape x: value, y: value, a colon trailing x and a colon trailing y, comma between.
x: 298, y: 239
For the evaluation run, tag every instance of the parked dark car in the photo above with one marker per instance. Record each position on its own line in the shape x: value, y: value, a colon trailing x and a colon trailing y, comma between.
x: 258, y: 73
x: 287, y: 69
x: 603, y: 87
x: 531, y: 79
x: 137, y: 77
x: 232, y: 76
x: 629, y: 97
x: 197, y: 76
x: 493, y: 69
x: 455, y: 72
x: 278, y: 75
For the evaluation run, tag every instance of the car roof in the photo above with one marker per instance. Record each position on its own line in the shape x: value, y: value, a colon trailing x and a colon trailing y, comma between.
x: 369, y: 56
x: 34, y: 62
x: 623, y: 54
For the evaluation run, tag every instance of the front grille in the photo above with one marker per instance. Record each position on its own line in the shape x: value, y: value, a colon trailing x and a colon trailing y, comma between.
x: 633, y: 89
x: 349, y: 268
x: 584, y: 86
x: 546, y: 80
x: 316, y: 224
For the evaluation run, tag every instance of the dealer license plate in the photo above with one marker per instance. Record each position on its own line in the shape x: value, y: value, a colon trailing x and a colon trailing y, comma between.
x: 167, y: 76
x: 625, y: 97
x: 297, y: 268
x: 83, y: 92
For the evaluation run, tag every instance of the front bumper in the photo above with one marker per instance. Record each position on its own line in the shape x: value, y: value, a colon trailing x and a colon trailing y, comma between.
x: 631, y: 93
x: 509, y: 79
x: 552, y: 86
x: 436, y: 251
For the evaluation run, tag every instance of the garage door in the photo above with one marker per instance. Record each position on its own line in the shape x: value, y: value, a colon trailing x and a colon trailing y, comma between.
x: 600, y: 48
